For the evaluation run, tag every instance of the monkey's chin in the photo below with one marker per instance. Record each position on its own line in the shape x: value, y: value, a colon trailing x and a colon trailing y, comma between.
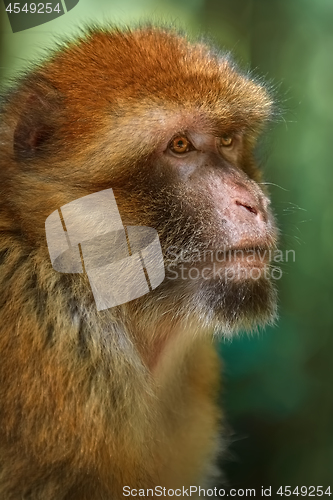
x: 226, y: 299
x: 241, y: 303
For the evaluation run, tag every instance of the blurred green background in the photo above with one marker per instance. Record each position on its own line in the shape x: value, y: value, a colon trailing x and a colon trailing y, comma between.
x: 277, y: 385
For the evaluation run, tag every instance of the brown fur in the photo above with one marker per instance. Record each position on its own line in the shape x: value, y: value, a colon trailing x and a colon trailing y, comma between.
x: 90, y: 402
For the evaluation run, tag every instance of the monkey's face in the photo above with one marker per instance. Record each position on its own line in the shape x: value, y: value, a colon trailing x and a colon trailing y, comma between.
x: 201, y: 192
x: 171, y: 128
x: 227, y: 252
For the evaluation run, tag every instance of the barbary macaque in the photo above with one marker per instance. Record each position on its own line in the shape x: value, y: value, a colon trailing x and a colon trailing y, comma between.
x: 93, y: 401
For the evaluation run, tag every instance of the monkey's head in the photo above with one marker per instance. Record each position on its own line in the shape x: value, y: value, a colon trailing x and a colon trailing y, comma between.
x: 171, y: 127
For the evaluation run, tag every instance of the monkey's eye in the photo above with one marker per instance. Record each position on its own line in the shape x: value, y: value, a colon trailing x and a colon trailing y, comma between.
x: 180, y: 145
x: 226, y: 140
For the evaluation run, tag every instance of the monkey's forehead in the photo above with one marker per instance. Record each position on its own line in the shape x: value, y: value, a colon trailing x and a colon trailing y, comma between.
x: 108, y: 67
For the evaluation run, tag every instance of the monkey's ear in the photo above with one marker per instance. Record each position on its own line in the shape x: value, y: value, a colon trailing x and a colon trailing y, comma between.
x: 39, y: 115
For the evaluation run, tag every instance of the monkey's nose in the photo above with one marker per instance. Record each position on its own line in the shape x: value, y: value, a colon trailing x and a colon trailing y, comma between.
x: 250, y: 208
x: 252, y: 204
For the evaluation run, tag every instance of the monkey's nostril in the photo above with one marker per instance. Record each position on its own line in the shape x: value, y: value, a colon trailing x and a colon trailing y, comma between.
x: 250, y: 208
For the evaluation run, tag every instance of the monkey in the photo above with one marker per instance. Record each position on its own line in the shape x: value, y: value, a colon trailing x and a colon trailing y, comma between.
x: 95, y: 404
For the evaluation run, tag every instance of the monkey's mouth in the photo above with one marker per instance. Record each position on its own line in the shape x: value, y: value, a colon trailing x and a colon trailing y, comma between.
x: 256, y: 255
x: 249, y: 256
x: 227, y: 265
x: 239, y: 264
